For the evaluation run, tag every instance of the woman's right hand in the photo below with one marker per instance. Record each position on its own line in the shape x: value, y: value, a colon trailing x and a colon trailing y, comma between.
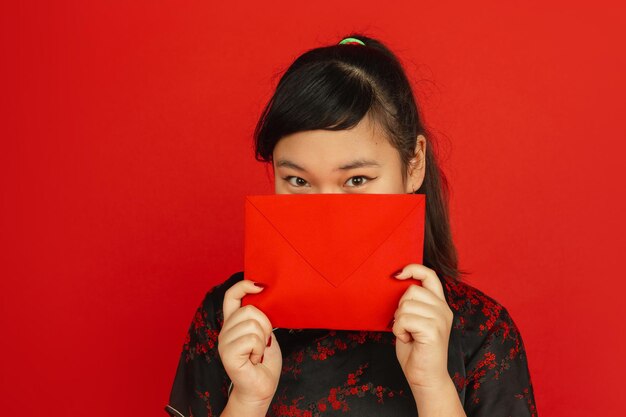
x: 252, y: 365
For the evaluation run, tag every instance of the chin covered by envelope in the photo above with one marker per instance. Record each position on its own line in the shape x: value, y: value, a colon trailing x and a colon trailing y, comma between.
x: 327, y: 259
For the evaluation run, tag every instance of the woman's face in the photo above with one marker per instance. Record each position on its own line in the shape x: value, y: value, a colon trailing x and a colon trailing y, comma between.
x: 357, y: 160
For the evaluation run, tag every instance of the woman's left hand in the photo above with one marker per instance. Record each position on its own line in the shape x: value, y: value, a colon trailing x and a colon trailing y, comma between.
x: 422, y: 327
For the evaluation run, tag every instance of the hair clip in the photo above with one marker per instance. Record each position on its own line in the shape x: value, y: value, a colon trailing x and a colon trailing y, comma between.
x: 351, y: 41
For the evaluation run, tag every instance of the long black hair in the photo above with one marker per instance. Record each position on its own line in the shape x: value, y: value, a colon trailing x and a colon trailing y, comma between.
x: 333, y: 88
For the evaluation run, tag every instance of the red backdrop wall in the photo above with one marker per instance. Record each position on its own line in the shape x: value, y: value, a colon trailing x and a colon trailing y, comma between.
x: 126, y: 154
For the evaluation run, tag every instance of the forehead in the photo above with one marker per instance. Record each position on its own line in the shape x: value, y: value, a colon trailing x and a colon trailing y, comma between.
x: 328, y: 148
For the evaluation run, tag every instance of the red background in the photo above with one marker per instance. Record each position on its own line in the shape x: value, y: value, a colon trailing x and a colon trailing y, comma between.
x: 126, y: 154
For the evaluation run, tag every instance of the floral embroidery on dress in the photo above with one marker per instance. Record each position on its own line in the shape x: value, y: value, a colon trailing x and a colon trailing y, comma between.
x: 501, y: 344
x: 201, y: 339
x: 204, y: 396
x: 329, y: 344
x: 337, y: 397
x: 530, y: 401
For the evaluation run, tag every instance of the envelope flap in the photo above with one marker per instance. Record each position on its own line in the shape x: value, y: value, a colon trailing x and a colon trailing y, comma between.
x: 336, y: 247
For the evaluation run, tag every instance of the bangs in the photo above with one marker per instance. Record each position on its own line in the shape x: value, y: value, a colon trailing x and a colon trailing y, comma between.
x: 328, y: 95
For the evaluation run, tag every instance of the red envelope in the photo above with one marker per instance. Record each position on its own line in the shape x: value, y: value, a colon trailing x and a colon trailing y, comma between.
x: 327, y: 259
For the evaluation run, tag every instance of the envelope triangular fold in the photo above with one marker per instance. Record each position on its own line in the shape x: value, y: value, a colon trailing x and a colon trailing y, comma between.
x: 337, y: 245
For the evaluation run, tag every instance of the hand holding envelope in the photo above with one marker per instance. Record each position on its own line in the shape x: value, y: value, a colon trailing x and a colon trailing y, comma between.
x: 327, y: 259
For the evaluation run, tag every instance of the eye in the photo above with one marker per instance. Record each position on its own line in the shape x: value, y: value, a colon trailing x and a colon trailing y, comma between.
x: 357, y: 181
x: 296, y: 181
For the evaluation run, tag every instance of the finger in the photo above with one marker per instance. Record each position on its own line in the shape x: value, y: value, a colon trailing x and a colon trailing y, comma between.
x: 272, y: 352
x: 409, y: 327
x: 417, y: 308
x: 427, y: 276
x: 233, y: 296
x: 242, y: 328
x: 248, y: 346
x: 419, y: 293
x: 249, y: 312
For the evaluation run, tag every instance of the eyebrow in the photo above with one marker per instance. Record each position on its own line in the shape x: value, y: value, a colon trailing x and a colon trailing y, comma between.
x: 289, y: 164
x: 357, y: 163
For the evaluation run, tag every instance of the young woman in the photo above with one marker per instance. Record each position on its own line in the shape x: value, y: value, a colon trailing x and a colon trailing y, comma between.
x: 343, y: 119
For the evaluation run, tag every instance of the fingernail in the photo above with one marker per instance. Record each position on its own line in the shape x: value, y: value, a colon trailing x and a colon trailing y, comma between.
x: 390, y: 325
x: 269, y: 342
x: 262, y: 356
x: 398, y: 272
x: 260, y: 285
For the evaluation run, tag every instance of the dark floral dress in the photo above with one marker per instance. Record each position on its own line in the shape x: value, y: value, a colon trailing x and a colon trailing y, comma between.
x: 339, y: 373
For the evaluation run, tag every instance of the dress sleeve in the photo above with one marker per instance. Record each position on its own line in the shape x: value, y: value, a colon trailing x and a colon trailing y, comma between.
x: 201, y: 384
x: 497, y: 376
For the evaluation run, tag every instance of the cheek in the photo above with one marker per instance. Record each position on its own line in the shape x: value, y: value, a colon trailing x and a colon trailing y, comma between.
x: 278, y: 186
x: 281, y: 186
x: 390, y: 183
